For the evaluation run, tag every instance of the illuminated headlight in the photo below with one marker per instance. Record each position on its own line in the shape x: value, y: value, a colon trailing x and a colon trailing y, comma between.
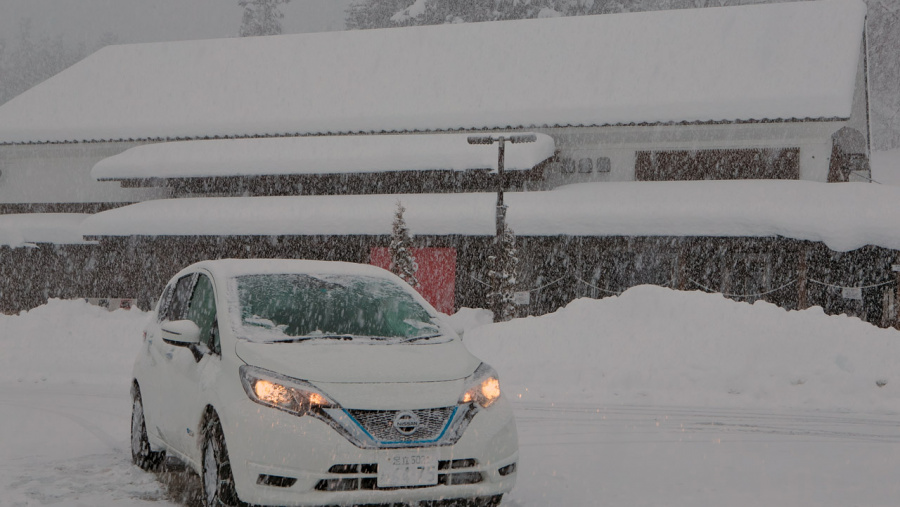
x: 284, y: 393
x: 482, y: 387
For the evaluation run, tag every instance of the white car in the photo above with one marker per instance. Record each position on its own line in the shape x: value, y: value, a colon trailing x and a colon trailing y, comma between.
x: 289, y: 382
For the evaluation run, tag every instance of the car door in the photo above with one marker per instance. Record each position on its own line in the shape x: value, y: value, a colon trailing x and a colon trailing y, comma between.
x: 169, y: 359
x: 194, y: 369
x: 154, y: 367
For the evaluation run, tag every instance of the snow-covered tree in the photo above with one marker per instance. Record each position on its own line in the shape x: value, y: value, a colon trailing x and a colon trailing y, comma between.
x: 387, y: 13
x: 503, y: 268
x: 261, y: 17
x: 364, y: 14
x: 403, y: 264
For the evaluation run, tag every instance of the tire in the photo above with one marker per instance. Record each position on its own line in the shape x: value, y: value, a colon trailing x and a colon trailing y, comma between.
x: 141, y: 455
x: 216, y: 477
x: 491, y: 501
x: 485, y: 501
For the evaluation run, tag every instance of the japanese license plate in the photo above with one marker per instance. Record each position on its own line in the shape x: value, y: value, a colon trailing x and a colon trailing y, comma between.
x: 407, y: 467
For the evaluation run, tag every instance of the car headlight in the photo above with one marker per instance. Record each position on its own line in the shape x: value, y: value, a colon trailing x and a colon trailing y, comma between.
x: 284, y: 393
x: 482, y: 387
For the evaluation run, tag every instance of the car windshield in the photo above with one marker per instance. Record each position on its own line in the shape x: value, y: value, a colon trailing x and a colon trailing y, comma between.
x: 301, y: 307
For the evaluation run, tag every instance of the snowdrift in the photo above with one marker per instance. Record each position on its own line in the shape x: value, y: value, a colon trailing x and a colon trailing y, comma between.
x: 653, y: 345
x: 70, y: 342
x: 649, y: 346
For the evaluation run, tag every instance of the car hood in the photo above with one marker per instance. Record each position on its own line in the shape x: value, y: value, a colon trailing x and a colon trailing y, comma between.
x: 366, y: 363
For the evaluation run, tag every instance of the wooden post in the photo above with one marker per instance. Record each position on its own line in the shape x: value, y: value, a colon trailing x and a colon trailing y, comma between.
x: 501, y: 207
x: 802, y: 278
x: 896, y: 269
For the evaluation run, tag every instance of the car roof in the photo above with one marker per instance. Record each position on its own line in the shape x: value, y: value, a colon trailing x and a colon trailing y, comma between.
x: 230, y: 268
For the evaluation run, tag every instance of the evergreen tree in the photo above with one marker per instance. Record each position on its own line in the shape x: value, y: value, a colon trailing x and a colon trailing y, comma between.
x: 403, y: 264
x: 261, y: 17
x: 503, y: 268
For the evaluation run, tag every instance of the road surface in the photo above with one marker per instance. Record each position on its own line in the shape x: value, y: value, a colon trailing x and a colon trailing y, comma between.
x: 67, y: 445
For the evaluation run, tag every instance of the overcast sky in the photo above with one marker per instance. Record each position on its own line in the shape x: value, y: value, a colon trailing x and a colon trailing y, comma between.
x: 156, y: 20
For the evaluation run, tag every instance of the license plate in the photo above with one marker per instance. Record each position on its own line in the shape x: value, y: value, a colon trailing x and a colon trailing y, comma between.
x: 407, y: 467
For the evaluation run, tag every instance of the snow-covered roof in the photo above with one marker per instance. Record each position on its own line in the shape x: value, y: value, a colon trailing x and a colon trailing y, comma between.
x: 30, y: 228
x: 317, y: 155
x: 778, y: 61
x: 843, y: 216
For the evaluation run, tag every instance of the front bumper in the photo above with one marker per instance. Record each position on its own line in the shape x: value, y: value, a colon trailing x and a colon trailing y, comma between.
x: 281, y: 459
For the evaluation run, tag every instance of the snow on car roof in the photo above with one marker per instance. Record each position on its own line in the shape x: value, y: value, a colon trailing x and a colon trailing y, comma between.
x: 230, y: 268
x: 781, y: 61
x: 30, y: 228
x: 317, y: 155
x: 844, y: 216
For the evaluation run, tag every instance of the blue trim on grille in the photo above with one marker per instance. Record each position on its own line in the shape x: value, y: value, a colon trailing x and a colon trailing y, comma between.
x: 381, y: 442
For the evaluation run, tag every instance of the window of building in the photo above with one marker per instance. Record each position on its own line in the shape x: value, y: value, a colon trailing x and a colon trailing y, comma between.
x: 731, y: 164
x: 603, y: 165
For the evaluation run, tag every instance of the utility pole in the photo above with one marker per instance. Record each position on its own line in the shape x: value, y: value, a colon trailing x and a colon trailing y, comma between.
x: 496, y: 284
x: 501, y: 156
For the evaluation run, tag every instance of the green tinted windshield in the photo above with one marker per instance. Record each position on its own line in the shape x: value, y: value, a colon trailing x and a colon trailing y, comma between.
x: 276, y: 307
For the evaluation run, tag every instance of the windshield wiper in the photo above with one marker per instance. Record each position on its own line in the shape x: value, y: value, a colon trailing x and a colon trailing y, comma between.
x: 423, y: 337
x: 295, y: 339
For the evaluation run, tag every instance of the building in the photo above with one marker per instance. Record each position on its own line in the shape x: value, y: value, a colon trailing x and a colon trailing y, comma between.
x: 774, y: 92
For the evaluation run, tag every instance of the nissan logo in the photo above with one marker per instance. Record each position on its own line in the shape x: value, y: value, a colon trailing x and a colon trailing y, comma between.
x: 406, y: 423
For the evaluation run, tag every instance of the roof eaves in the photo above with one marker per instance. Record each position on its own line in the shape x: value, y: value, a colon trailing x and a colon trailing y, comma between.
x: 426, y: 131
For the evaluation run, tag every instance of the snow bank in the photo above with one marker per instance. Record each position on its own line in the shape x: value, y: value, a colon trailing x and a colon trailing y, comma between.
x: 648, y: 346
x: 70, y: 342
x: 657, y: 346
x: 844, y: 216
x: 470, y: 318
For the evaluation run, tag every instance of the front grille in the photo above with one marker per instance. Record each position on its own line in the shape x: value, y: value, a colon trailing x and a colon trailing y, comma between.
x: 380, y: 423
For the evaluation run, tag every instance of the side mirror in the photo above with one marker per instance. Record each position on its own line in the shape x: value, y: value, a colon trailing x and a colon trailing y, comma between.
x: 181, y: 332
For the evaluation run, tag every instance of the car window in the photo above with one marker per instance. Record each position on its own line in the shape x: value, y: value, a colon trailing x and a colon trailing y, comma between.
x: 165, y: 302
x: 202, y: 311
x: 274, y: 307
x: 176, y: 298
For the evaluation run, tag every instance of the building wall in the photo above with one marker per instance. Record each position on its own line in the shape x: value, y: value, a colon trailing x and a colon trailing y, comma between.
x: 554, y: 270
x: 620, y: 143
x: 61, y: 173
x: 859, y: 118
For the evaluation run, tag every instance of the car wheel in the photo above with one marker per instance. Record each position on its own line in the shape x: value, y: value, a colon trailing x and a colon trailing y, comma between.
x: 218, y: 482
x: 491, y: 501
x: 141, y: 455
x: 485, y: 501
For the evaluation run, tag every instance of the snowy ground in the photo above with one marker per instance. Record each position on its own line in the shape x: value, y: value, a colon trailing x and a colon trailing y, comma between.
x: 655, y: 397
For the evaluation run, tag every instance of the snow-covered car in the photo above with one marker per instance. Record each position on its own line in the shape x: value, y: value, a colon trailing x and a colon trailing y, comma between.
x: 291, y: 382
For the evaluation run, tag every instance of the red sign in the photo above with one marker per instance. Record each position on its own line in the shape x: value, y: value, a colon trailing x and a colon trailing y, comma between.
x: 436, y: 274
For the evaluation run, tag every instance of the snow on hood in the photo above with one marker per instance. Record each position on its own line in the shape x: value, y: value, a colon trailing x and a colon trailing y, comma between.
x: 362, y: 362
